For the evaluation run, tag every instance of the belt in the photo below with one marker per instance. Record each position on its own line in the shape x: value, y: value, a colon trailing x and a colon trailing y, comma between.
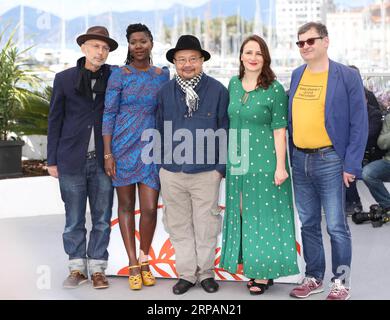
x: 91, y: 155
x: 315, y: 150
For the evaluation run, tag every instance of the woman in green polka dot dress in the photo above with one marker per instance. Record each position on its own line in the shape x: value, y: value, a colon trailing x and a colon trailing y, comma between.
x: 259, y: 229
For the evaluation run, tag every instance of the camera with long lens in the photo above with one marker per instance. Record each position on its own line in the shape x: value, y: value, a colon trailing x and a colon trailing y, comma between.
x: 377, y: 215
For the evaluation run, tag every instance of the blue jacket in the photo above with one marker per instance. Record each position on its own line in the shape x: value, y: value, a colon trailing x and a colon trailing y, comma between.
x: 346, y: 120
x: 212, y: 114
x: 71, y: 119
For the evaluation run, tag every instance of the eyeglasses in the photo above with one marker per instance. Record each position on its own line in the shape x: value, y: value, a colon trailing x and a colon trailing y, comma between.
x: 309, y: 42
x: 192, y: 60
x: 98, y: 47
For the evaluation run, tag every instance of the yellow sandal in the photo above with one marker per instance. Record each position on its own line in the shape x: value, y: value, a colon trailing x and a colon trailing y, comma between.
x: 147, y: 276
x: 135, y: 281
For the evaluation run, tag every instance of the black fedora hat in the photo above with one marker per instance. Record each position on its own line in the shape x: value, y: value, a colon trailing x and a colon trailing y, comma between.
x: 98, y: 33
x: 187, y: 42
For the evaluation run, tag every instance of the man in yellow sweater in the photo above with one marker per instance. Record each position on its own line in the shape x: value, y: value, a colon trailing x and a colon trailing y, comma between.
x: 328, y: 130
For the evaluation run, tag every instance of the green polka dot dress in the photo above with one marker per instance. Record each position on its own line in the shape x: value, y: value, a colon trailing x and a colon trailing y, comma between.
x: 263, y: 237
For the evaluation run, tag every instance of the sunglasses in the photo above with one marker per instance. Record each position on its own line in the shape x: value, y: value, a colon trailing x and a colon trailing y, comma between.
x: 309, y: 42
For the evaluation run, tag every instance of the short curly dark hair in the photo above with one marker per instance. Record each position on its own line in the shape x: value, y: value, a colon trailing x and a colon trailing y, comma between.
x: 136, y: 27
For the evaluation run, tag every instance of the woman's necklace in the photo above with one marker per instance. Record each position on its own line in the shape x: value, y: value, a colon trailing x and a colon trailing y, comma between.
x: 248, y: 86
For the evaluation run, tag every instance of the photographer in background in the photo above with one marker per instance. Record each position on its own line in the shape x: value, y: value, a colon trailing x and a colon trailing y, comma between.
x: 378, y: 172
x: 372, y: 152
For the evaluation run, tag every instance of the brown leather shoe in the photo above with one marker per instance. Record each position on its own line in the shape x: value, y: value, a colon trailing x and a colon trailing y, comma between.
x: 75, y: 279
x: 99, y: 280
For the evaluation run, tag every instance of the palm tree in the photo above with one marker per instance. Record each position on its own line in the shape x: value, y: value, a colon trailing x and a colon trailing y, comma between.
x: 32, y: 118
x: 15, y: 83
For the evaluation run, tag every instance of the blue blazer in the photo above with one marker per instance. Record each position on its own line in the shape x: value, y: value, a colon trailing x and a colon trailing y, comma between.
x: 346, y: 119
x: 71, y: 118
x: 212, y: 114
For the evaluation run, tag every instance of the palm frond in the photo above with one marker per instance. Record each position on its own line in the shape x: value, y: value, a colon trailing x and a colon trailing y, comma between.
x: 17, y: 91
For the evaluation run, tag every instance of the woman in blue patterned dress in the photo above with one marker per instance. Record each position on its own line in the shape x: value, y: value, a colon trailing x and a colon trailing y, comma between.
x: 130, y: 108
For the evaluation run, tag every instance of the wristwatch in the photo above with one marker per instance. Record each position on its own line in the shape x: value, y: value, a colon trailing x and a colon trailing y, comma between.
x: 108, y: 156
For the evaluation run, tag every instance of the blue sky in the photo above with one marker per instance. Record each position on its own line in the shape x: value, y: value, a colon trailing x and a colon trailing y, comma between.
x: 72, y: 8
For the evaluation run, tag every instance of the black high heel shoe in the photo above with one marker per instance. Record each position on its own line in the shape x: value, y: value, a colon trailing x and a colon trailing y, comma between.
x: 261, y: 286
x: 250, y: 282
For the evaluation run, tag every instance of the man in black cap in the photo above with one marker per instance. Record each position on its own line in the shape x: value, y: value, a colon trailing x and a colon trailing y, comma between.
x: 192, y: 106
x: 75, y: 157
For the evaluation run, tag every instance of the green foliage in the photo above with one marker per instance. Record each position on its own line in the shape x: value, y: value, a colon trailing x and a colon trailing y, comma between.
x: 33, y: 117
x: 16, y: 82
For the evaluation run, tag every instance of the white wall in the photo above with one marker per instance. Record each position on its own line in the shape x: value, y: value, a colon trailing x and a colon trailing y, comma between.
x: 35, y: 147
x: 22, y: 197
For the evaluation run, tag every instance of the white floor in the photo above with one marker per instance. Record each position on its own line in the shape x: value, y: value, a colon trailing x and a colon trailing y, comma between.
x: 33, y: 266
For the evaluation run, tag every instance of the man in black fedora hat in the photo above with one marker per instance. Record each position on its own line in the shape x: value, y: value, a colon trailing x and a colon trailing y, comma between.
x: 75, y: 157
x: 190, y: 104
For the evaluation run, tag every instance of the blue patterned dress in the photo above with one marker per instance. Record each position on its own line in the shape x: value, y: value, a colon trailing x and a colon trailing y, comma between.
x: 130, y: 108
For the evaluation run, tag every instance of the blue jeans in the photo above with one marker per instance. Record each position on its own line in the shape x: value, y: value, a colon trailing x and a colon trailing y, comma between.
x: 374, y: 176
x: 318, y: 183
x: 93, y: 184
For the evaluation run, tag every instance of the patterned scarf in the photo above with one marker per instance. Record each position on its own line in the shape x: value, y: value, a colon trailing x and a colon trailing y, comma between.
x: 188, y: 86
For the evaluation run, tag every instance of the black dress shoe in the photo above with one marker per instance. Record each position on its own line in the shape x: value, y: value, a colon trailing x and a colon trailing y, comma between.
x: 182, y: 286
x: 209, y: 285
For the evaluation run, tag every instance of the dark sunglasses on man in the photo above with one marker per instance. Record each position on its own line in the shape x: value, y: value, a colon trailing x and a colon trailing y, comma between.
x: 309, y: 42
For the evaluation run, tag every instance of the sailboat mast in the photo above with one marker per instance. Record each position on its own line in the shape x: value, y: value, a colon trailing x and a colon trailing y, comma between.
x: 21, y: 27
